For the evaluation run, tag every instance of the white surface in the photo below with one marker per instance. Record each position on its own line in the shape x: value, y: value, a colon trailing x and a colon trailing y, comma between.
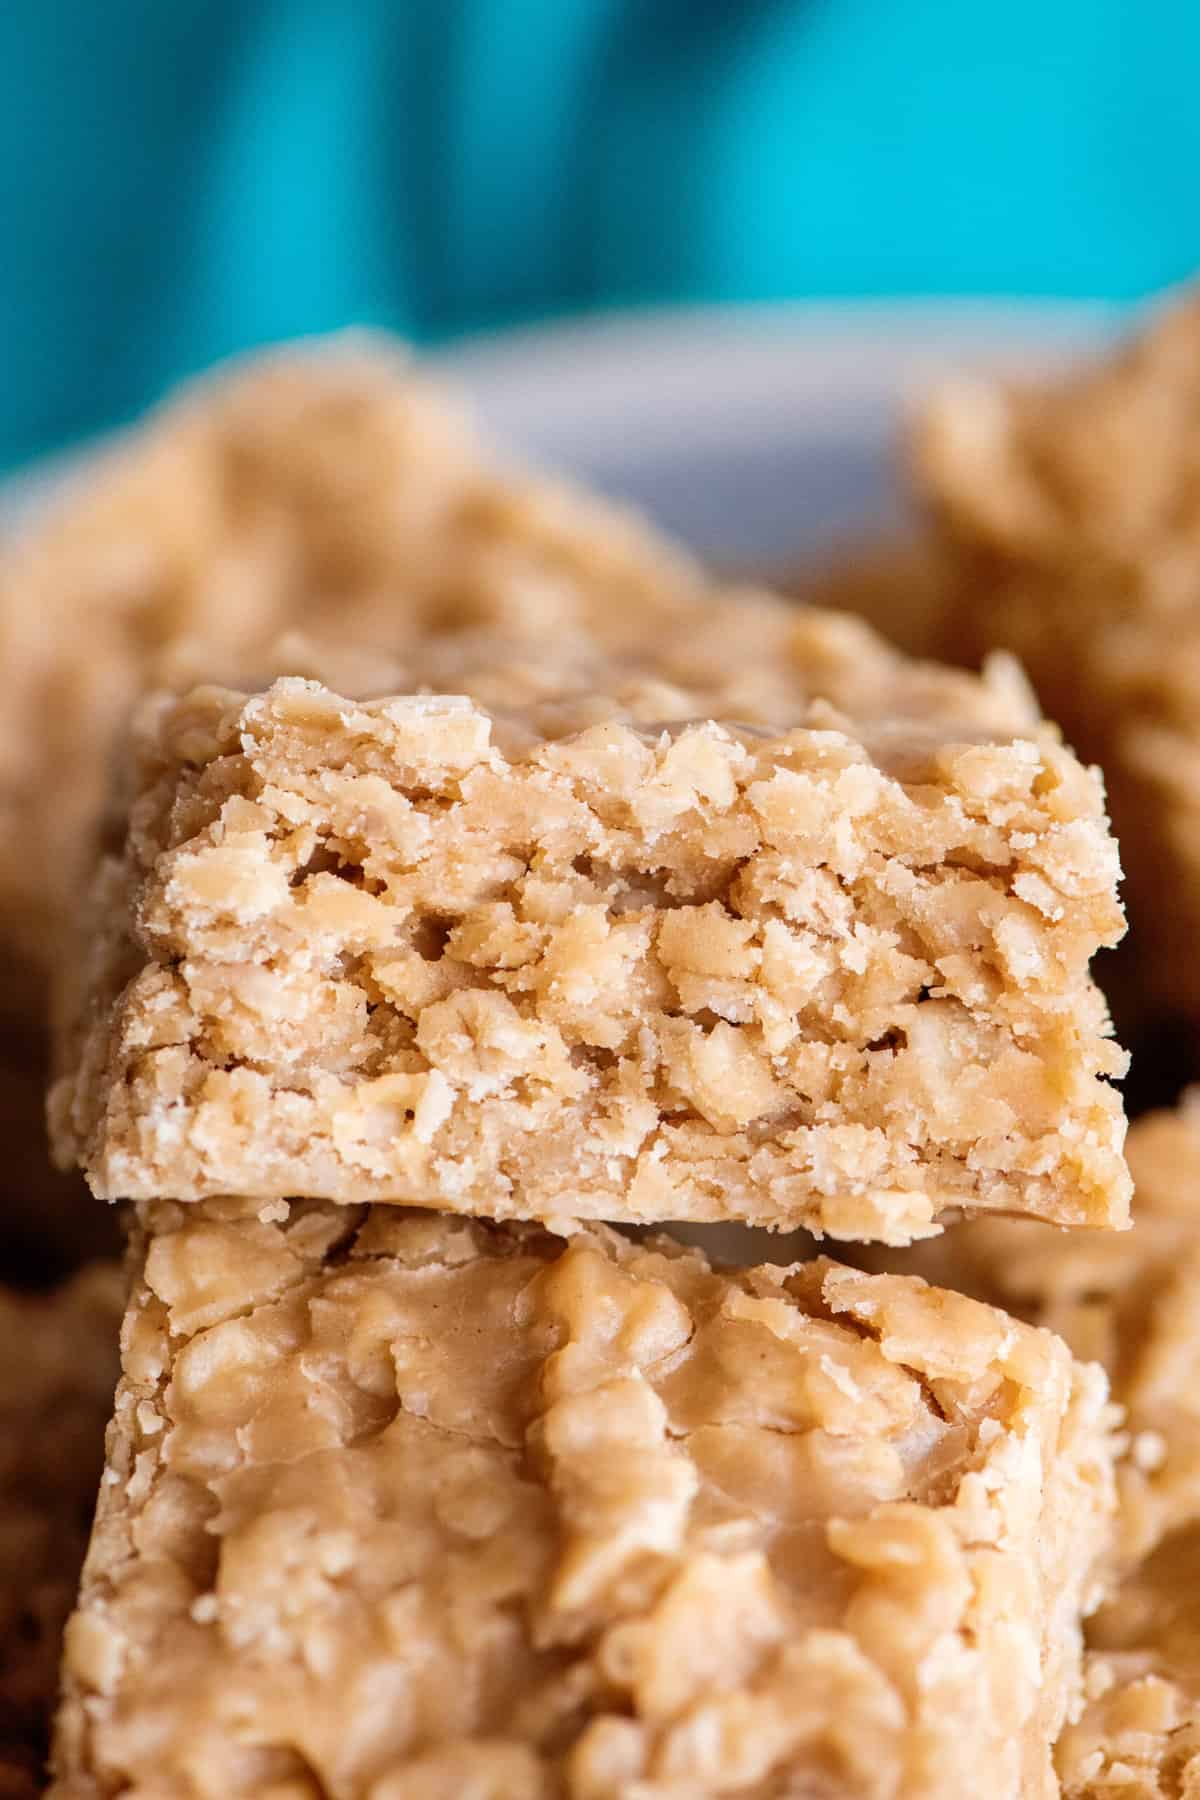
x: 755, y: 433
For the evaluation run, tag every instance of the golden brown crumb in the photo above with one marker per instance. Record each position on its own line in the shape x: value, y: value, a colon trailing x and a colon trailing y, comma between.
x: 411, y: 950
x: 405, y: 1506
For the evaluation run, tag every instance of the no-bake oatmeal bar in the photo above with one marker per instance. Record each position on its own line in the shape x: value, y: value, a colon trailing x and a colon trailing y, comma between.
x: 1133, y: 1304
x: 413, y: 950
x: 331, y: 510
x: 58, y: 1369
x: 399, y: 1505
x: 1067, y: 522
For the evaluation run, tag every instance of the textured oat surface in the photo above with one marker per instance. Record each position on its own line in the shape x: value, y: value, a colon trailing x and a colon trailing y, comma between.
x: 58, y: 1369
x: 330, y: 512
x: 1070, y: 526
x: 1134, y: 1304
x: 409, y: 950
x: 405, y: 1506
x: 338, y: 496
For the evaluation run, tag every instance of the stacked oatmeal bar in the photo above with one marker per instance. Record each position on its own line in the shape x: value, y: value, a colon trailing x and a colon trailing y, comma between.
x: 480, y: 890
x: 406, y: 1505
x: 563, y: 961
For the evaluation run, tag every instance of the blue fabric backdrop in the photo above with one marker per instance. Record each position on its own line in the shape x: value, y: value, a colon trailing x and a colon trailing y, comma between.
x: 179, y: 178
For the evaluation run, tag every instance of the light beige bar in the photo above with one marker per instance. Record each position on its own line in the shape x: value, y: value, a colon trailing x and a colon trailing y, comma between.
x: 405, y: 1506
x: 414, y: 950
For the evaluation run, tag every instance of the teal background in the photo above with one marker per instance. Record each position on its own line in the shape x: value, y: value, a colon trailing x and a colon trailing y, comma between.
x: 182, y: 178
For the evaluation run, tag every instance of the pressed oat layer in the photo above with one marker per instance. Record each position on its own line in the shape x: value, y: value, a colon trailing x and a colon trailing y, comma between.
x: 1069, y: 532
x: 58, y: 1369
x: 401, y: 1506
x: 1133, y: 1304
x: 411, y: 951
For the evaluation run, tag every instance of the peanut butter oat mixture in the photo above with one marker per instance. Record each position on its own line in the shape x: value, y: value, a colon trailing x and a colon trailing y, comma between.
x: 337, y: 496
x: 1132, y: 1303
x: 400, y: 1506
x: 410, y: 950
x: 1068, y: 514
x: 329, y: 513
x: 58, y: 1368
